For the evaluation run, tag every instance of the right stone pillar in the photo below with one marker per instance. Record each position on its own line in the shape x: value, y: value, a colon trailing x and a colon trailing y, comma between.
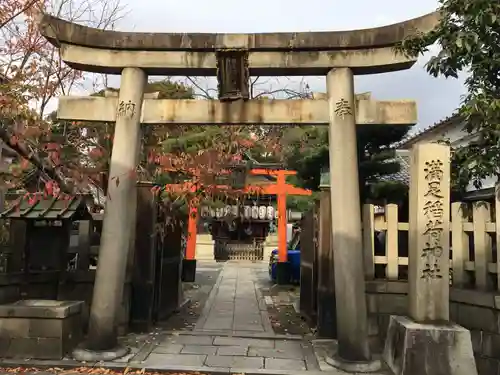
x: 352, y: 325
x: 427, y: 343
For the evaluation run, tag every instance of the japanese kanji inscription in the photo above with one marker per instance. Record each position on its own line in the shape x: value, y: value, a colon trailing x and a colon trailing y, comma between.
x: 433, y: 210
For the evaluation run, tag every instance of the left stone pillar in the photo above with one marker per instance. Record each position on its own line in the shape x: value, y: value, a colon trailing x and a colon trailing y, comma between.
x: 118, y: 219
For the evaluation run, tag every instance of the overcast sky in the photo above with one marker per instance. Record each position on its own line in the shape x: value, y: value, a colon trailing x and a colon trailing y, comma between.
x: 436, y: 98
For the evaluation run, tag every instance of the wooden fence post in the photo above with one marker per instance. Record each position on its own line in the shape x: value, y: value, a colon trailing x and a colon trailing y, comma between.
x: 369, y: 240
x: 497, y: 232
x: 482, y: 244
x: 459, y: 244
x: 391, y: 241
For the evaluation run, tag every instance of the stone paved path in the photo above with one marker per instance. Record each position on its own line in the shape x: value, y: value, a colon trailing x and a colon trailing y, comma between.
x: 233, y: 335
x: 236, y: 304
x: 234, y: 331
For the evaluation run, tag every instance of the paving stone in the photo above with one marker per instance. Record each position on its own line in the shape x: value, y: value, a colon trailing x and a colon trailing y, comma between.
x: 275, y: 353
x: 232, y: 350
x: 288, y: 345
x: 218, y: 325
x: 188, y: 340
x: 253, y: 317
x: 221, y: 311
x: 235, y: 361
x: 249, y: 328
x: 168, y: 349
x: 165, y: 360
x: 199, y: 349
x: 219, y: 320
x: 284, y: 364
x: 255, y: 323
x: 240, y: 341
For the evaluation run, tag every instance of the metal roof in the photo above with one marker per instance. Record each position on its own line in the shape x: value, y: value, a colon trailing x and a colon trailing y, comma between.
x: 403, y: 176
x: 414, y: 137
x: 53, y: 208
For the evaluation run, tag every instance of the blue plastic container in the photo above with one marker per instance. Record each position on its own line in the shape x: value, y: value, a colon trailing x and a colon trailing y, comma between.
x: 272, y: 264
x: 293, y: 259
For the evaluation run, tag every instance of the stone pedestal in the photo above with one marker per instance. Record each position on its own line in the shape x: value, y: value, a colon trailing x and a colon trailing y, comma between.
x: 283, y: 273
x: 188, y: 270
x: 40, y: 329
x: 428, y: 349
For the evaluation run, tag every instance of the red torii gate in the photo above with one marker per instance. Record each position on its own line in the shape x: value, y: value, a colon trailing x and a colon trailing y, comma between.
x: 280, y: 188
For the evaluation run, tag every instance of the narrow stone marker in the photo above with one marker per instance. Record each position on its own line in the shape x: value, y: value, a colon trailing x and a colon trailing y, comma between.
x: 429, y: 237
x: 427, y: 343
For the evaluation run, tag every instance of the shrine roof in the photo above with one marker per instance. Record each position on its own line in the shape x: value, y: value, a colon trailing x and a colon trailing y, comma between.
x: 53, y: 208
x: 59, y: 31
x: 403, y: 176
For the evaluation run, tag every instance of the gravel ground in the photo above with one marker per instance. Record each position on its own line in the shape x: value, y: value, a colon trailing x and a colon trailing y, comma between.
x: 197, y: 293
x: 284, y: 318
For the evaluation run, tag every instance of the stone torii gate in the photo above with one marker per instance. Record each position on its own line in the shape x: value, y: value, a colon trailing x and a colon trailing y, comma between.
x: 233, y: 58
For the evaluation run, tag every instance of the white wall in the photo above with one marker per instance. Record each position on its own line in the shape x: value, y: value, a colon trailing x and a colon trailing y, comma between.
x: 457, y: 137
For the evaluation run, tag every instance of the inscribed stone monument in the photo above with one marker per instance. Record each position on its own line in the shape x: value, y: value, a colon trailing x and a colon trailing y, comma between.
x: 427, y: 343
x: 429, y: 238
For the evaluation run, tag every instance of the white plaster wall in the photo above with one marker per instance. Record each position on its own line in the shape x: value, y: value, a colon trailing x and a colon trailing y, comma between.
x: 458, y: 137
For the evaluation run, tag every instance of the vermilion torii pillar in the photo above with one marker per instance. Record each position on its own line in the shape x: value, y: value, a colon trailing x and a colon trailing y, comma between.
x: 281, y: 189
x: 189, y: 261
x: 233, y: 58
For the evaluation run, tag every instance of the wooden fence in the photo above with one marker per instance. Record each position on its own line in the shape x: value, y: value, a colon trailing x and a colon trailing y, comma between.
x: 473, y: 234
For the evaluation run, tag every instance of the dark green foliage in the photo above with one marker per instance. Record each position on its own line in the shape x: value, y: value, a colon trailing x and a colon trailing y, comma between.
x: 469, y: 39
x: 309, y: 156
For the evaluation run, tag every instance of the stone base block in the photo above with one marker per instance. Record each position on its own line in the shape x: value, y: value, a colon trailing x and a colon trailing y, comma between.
x: 428, y: 349
x: 283, y: 273
x: 86, y: 355
x: 40, y: 329
x: 354, y: 367
x: 188, y: 270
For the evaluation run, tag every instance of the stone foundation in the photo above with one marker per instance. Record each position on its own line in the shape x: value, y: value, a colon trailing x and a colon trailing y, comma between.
x: 477, y: 311
x: 40, y: 329
x: 204, y: 247
x: 428, y: 349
